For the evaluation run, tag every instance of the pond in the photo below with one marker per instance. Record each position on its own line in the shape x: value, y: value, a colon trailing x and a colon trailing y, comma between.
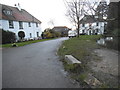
x: 109, y: 42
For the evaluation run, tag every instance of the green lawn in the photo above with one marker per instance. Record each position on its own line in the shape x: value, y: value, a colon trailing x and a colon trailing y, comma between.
x: 79, y: 47
x: 25, y: 43
x: 82, y: 49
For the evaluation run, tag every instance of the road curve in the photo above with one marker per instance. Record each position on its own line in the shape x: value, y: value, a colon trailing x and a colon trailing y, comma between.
x: 34, y: 66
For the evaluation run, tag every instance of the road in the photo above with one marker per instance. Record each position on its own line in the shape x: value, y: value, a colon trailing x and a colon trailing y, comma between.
x: 35, y: 66
x: 0, y: 68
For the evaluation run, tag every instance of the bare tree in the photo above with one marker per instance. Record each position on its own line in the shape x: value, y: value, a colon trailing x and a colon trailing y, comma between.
x: 75, y: 12
x: 96, y: 8
x: 76, y: 9
x: 102, y: 9
x: 51, y: 23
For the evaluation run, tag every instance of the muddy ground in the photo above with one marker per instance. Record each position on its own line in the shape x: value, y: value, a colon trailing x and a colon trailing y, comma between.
x: 106, y: 69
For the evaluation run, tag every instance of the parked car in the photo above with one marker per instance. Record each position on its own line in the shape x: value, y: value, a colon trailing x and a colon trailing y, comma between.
x: 72, y: 33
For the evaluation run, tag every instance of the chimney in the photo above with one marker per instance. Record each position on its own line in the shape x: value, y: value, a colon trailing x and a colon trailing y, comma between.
x: 18, y: 6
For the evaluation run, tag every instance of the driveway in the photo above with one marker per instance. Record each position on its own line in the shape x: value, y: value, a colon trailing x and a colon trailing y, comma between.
x: 106, y: 70
x: 35, y: 66
x: 0, y: 68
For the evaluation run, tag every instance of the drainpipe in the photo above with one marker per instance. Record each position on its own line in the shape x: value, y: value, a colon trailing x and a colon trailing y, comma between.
x: 33, y: 27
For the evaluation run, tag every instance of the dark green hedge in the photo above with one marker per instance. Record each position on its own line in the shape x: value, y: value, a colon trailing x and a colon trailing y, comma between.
x: 8, y: 37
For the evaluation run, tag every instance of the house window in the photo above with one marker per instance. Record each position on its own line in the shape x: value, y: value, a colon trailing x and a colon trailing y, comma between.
x: 97, y: 24
x: 37, y: 34
x: 11, y: 25
x: 93, y: 32
x: 36, y: 24
x: 83, y: 31
x: 97, y: 30
x: 20, y: 24
x: 30, y: 35
x: 83, y: 25
x: 7, y: 12
x: 29, y: 24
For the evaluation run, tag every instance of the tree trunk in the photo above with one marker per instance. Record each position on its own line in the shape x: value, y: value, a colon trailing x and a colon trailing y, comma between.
x: 78, y: 28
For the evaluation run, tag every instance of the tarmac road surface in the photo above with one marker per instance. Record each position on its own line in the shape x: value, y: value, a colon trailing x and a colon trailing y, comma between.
x: 34, y: 66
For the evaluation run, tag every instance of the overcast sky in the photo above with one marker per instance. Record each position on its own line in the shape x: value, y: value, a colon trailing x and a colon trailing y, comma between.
x: 44, y: 10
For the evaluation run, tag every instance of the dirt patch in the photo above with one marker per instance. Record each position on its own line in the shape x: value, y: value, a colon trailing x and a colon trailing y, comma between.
x: 106, y: 69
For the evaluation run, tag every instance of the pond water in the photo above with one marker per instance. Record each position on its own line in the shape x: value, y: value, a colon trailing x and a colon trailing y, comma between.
x: 109, y: 42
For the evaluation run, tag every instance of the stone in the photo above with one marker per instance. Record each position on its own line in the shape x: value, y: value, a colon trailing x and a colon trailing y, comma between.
x: 71, y: 60
x: 92, y: 81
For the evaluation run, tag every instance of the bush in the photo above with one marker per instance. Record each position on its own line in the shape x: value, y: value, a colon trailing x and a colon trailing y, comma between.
x: 49, y: 33
x: 116, y: 32
x: 8, y: 37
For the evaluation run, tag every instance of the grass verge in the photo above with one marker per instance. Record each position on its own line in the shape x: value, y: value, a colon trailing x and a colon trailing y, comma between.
x: 82, y: 49
x: 25, y: 43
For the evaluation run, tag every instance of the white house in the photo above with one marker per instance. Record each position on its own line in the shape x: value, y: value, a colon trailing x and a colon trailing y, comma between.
x: 19, y: 20
x: 91, y: 26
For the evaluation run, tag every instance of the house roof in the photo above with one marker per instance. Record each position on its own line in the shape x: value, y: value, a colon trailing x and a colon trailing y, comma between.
x: 89, y: 19
x: 60, y: 28
x: 13, y: 13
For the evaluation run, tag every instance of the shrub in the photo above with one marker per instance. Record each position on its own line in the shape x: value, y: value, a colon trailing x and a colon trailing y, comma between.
x: 116, y: 32
x: 49, y: 33
x: 8, y: 37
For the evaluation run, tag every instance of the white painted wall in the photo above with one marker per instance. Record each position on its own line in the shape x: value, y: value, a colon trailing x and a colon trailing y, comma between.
x: 100, y: 28
x: 0, y: 24
x: 27, y: 30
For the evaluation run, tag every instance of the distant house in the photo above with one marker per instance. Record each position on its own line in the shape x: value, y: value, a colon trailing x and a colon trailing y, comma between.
x: 91, y: 26
x: 63, y: 30
x: 19, y: 20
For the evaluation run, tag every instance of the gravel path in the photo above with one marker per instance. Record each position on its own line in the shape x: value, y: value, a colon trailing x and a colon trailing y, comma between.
x: 106, y: 70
